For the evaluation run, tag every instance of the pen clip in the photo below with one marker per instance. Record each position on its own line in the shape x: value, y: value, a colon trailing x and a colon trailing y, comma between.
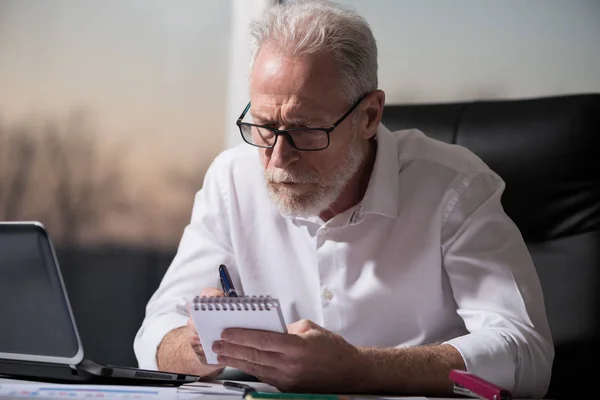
x: 467, y: 384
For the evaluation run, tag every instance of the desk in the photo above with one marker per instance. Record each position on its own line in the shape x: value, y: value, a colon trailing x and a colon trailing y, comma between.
x: 22, y: 389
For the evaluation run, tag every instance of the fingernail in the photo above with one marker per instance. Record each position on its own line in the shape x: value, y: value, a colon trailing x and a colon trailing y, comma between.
x: 217, y: 347
x: 225, y: 335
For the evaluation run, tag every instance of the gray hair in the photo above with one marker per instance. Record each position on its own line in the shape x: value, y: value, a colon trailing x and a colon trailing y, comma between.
x: 303, y: 28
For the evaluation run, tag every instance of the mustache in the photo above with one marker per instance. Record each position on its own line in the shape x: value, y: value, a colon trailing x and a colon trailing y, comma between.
x: 277, y: 175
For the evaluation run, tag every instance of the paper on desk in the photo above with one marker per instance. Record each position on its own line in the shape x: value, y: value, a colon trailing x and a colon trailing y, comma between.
x: 216, y: 387
x: 76, y: 391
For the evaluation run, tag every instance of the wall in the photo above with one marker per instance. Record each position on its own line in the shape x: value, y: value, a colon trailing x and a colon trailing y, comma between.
x: 440, y: 51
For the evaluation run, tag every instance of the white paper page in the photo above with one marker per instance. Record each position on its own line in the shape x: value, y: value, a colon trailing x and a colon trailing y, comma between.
x: 211, y: 323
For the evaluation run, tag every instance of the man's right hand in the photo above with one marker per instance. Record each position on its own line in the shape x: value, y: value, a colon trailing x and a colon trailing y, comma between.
x: 193, y: 332
x: 180, y: 350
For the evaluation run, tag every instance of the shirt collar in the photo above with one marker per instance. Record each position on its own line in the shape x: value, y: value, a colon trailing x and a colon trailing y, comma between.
x: 382, y: 192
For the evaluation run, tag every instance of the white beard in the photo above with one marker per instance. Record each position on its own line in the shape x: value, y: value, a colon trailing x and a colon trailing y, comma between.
x: 322, y: 191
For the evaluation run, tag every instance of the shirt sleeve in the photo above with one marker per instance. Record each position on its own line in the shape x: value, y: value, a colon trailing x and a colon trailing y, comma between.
x: 497, y: 291
x: 204, y: 245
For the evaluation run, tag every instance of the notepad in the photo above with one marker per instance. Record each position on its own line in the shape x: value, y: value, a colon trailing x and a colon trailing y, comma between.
x: 212, y: 315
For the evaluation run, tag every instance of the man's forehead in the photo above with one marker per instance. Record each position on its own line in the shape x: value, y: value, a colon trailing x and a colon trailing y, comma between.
x: 273, y: 66
x: 296, y: 120
x: 296, y: 110
x: 302, y: 88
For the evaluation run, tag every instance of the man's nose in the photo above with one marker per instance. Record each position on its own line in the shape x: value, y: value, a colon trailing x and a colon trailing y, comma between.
x: 282, y: 154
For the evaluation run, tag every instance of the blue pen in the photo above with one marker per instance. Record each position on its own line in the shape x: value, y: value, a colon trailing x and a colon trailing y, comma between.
x: 226, y: 282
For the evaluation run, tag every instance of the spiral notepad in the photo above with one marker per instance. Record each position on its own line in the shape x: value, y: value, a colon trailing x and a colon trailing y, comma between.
x: 212, y: 315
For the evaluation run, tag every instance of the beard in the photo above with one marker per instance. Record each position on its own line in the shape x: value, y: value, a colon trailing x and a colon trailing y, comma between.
x: 301, y: 192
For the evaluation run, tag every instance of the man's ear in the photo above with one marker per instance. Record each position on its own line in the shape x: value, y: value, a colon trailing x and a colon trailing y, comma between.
x: 373, y: 110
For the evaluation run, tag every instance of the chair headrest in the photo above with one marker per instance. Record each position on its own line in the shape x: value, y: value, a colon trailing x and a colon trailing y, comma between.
x: 546, y: 149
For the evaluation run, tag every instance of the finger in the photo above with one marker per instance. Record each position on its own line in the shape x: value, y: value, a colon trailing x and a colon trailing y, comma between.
x: 265, y: 372
x: 302, y: 326
x: 192, y: 326
x: 193, y: 335
x: 249, y: 354
x: 262, y: 340
x: 195, y: 341
x: 212, y: 292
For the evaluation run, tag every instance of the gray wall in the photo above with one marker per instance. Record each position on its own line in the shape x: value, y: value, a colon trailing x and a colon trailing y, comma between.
x: 440, y: 50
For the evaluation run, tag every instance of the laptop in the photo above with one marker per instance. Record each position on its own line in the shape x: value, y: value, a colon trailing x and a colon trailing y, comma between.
x: 38, y: 335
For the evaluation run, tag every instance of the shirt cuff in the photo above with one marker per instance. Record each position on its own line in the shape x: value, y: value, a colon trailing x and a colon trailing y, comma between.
x: 487, y: 355
x: 152, y: 334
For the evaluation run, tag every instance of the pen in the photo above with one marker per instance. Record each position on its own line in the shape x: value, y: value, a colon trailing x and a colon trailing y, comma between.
x: 226, y: 282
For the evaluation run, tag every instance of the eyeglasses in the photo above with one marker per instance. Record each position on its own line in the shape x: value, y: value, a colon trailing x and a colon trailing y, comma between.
x: 303, y: 139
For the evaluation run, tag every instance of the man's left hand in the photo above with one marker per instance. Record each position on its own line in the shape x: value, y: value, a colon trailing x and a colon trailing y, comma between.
x: 307, y: 358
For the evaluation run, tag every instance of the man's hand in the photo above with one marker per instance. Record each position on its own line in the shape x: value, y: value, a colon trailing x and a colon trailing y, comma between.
x: 180, y: 350
x: 308, y: 358
x: 193, y: 332
x: 311, y: 358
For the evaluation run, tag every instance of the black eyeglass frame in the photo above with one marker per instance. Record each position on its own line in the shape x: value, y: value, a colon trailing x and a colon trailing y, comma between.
x: 286, y: 132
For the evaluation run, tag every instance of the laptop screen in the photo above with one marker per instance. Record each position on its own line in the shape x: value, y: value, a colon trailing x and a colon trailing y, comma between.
x: 34, y: 314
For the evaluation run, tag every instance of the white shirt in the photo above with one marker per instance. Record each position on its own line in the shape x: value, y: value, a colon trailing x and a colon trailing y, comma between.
x: 427, y: 256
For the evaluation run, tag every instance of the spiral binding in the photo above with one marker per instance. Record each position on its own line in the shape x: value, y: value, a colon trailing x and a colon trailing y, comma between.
x: 242, y: 303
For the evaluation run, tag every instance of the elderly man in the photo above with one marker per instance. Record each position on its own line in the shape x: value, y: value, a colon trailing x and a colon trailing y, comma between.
x: 390, y: 253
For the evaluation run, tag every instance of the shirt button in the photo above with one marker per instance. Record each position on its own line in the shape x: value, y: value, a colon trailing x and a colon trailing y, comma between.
x: 324, y: 230
x: 327, y: 294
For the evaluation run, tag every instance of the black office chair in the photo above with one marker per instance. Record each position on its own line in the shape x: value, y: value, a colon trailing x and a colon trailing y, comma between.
x: 548, y: 152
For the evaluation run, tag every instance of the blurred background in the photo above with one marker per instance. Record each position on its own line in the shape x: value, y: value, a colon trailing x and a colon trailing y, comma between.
x: 111, y: 111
